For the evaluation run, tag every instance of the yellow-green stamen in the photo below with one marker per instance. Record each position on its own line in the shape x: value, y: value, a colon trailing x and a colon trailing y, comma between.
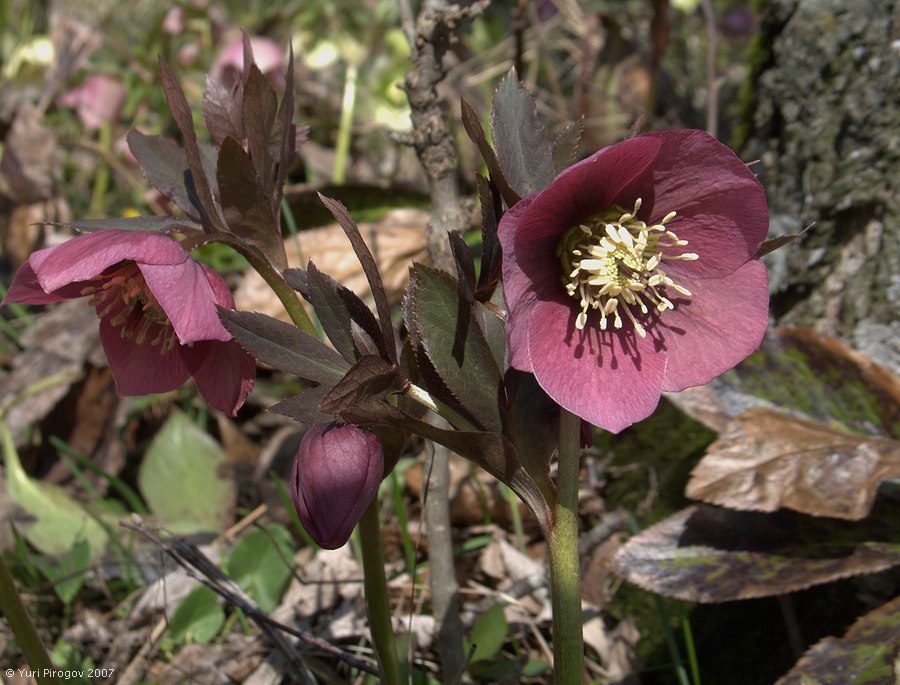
x: 613, y: 266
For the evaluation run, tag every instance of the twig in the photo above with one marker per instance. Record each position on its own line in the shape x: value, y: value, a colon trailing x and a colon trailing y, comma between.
x: 712, y: 86
x: 197, y: 566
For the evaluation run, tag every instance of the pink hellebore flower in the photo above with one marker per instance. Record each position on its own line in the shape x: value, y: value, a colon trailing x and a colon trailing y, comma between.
x: 267, y: 55
x: 334, y: 478
x: 158, y: 320
x: 98, y: 100
x: 635, y: 273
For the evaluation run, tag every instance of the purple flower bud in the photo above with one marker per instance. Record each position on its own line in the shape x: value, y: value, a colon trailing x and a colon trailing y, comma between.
x: 334, y: 477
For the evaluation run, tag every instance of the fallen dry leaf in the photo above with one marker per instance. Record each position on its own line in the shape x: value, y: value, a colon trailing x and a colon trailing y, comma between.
x: 765, y: 460
x: 395, y: 240
x: 708, y: 554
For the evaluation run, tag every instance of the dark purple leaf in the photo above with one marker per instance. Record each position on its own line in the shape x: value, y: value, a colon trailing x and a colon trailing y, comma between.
x: 287, y: 153
x: 298, y: 280
x: 305, y: 406
x: 260, y: 108
x: 565, y: 147
x: 181, y: 113
x: 285, y: 346
x: 491, y: 211
x: 163, y: 224
x: 465, y: 266
x: 222, y: 115
x: 533, y: 424
x: 370, y: 268
x: 780, y: 241
x: 165, y: 167
x: 247, y: 208
x: 370, y: 379
x: 455, y: 345
x: 331, y: 312
x: 476, y: 135
x: 525, y: 154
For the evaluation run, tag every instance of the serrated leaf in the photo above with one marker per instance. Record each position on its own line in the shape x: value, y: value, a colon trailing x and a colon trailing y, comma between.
x: 766, y: 460
x: 867, y: 654
x: 370, y: 268
x: 285, y: 346
x: 198, y: 618
x: 184, y: 120
x: 305, y: 406
x: 57, y: 522
x: 465, y: 266
x: 708, y: 554
x: 290, y: 137
x: 331, y: 310
x: 221, y: 113
x: 488, y: 634
x: 246, y: 207
x: 182, y: 478
x: 565, y: 147
x: 525, y: 154
x: 260, y: 106
x: 261, y: 564
x: 165, y: 167
x: 476, y: 135
x: 163, y: 224
x: 370, y: 379
x: 455, y: 345
x: 778, y: 242
x: 491, y: 211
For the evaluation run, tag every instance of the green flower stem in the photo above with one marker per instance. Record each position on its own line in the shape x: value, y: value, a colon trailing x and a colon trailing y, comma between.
x: 345, y: 126
x: 20, y: 622
x: 565, y: 572
x: 101, y: 180
x: 264, y: 268
x: 376, y: 596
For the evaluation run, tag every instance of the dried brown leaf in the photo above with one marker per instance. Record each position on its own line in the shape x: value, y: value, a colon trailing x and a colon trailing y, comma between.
x: 766, y: 460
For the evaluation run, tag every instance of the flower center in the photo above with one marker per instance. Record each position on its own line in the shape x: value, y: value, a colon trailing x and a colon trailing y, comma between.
x: 125, y: 300
x: 614, y: 264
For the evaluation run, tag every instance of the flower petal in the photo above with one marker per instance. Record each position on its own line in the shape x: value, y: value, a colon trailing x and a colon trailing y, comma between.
x: 26, y: 289
x: 610, y: 379
x: 184, y: 292
x: 140, y: 369
x: 518, y: 292
x: 721, y: 207
x: 721, y: 324
x: 224, y: 373
x: 88, y: 255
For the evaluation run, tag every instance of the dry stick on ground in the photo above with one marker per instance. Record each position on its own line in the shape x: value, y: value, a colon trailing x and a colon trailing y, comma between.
x: 430, y: 35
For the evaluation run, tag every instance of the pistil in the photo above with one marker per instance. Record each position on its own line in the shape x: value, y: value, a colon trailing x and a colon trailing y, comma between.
x: 612, y: 266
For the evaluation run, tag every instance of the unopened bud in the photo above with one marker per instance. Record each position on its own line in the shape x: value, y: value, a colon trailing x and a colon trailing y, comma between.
x: 334, y: 478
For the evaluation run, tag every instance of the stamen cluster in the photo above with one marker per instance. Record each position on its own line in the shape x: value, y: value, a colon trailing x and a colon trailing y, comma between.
x: 616, y: 261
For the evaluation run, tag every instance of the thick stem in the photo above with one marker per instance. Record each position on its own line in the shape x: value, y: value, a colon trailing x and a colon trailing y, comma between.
x: 20, y: 622
x: 565, y: 572
x: 377, y: 605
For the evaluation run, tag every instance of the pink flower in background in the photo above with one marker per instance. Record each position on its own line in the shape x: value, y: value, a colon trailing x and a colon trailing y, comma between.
x: 334, y: 478
x: 635, y: 273
x: 267, y: 55
x: 98, y: 100
x: 158, y: 319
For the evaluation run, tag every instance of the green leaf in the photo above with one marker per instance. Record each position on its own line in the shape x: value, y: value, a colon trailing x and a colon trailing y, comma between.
x: 455, y: 345
x: 866, y: 655
x: 165, y: 167
x: 525, y: 154
x: 488, y: 634
x: 57, y: 522
x: 260, y: 564
x: 181, y: 478
x: 66, y: 574
x: 198, y: 618
x: 285, y: 346
x: 708, y: 554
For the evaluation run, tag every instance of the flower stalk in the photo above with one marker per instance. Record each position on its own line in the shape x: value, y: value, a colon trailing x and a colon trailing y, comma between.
x: 565, y: 571
x: 377, y: 605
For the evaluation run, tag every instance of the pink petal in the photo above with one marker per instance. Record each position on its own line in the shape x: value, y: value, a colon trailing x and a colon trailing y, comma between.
x: 140, y: 369
x: 721, y: 207
x: 517, y: 290
x: 26, y: 289
x: 608, y: 379
x: 184, y: 292
x: 224, y: 373
x: 720, y: 325
x: 88, y: 255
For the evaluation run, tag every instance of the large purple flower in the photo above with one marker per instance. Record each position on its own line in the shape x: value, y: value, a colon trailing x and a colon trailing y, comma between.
x: 158, y: 320
x: 635, y: 272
